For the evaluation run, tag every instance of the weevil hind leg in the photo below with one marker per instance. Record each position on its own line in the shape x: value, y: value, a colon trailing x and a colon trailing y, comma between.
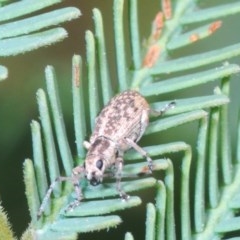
x: 142, y: 152
x: 160, y: 112
x: 118, y: 175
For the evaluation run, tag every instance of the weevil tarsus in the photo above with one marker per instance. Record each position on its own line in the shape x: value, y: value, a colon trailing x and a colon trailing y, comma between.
x: 118, y: 176
x: 160, y: 112
x: 76, y: 176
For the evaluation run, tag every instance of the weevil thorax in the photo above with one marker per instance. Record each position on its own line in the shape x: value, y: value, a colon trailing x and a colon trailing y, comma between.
x: 100, y: 156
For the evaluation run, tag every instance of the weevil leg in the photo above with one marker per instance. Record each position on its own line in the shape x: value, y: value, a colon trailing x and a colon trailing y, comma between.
x: 118, y: 174
x: 86, y: 144
x: 75, y: 181
x: 48, y: 194
x: 142, y: 152
x: 163, y: 110
x: 76, y: 173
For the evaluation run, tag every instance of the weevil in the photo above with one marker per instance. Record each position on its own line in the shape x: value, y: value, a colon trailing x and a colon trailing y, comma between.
x: 118, y: 127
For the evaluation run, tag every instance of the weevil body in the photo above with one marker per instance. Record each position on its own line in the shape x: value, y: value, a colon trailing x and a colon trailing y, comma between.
x: 119, y: 126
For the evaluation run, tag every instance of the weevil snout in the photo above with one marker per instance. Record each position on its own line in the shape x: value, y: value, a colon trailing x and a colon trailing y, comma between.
x: 94, y: 177
x: 94, y: 181
x: 94, y: 170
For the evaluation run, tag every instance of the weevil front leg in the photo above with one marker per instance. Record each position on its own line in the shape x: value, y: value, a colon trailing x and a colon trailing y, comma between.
x: 118, y: 175
x: 48, y: 194
x: 75, y: 181
x: 76, y: 173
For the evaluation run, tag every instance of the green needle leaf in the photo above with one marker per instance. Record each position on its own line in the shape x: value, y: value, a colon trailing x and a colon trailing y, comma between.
x: 87, y: 224
x: 5, y: 227
x: 190, y: 80
x: 39, y: 22
x: 21, y: 8
x: 150, y: 222
x: 196, y: 60
x: 120, y: 44
x: 102, y: 58
x: 211, y: 13
x: 3, y: 72
x: 58, y: 120
x: 14, y: 46
x: 31, y: 190
x: 99, y: 207
x: 78, y: 105
x: 128, y: 236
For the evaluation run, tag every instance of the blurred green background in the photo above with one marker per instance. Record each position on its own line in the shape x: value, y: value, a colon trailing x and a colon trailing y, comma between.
x: 26, y: 74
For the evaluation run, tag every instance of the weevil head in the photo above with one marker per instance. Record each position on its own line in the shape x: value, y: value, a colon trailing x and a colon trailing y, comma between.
x: 94, y: 169
x: 101, y: 155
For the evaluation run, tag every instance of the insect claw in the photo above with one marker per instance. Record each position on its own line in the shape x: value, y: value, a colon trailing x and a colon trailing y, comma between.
x: 72, y: 205
x: 150, y: 165
x: 124, y: 196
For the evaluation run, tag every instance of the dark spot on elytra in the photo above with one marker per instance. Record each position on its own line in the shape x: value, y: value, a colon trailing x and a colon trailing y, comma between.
x: 131, y: 103
x: 97, y: 128
x: 108, y: 131
x: 105, y: 144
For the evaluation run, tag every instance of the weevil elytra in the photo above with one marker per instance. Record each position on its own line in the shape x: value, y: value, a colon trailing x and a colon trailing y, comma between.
x: 118, y: 127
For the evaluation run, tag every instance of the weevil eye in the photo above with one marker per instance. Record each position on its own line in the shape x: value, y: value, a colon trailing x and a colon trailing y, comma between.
x: 99, y: 164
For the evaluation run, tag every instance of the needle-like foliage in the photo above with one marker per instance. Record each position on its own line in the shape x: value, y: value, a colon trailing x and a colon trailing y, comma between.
x: 206, y: 184
x: 29, y: 33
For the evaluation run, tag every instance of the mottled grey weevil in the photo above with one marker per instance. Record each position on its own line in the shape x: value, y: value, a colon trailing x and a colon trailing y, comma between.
x: 118, y: 127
